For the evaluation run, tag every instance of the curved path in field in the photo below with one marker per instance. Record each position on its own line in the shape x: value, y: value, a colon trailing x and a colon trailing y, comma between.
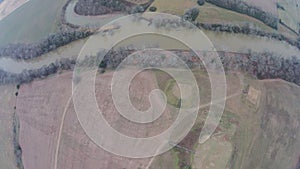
x: 223, y: 41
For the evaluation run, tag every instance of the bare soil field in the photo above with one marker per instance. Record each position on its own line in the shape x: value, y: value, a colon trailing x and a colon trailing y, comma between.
x: 215, y: 153
x: 246, y: 133
x: 140, y: 88
x: 253, y: 95
x: 278, y: 135
x: 266, y: 136
x: 179, y: 157
x: 77, y: 151
x: 255, y: 137
x: 47, y: 115
x: 40, y: 106
x: 7, y: 103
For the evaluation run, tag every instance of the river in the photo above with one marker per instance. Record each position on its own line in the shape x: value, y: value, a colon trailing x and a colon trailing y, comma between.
x: 221, y: 41
x: 91, y: 21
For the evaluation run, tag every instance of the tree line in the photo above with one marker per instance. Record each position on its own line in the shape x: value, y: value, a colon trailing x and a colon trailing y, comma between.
x: 248, y: 29
x: 33, y: 50
x: 244, y: 8
x: 264, y: 65
x: 27, y: 76
x: 99, y: 7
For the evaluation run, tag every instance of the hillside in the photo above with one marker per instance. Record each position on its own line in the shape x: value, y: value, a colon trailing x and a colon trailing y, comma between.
x: 250, y: 132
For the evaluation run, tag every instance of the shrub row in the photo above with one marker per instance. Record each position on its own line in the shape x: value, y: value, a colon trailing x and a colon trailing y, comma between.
x: 266, y: 65
x: 28, y: 75
x: 99, y: 7
x: 248, y: 30
x: 244, y: 8
x: 33, y: 50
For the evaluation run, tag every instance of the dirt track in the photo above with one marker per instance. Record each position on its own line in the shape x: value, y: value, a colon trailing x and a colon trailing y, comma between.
x: 39, y: 107
x: 47, y: 114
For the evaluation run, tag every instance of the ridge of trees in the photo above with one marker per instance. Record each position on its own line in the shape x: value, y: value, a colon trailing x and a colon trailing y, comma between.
x: 27, y: 76
x: 244, y: 8
x: 248, y: 29
x: 191, y: 14
x: 264, y: 65
x: 99, y: 7
x: 33, y: 50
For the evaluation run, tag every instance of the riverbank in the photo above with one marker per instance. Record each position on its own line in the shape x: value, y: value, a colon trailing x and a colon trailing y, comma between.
x: 240, y: 41
x: 72, y: 19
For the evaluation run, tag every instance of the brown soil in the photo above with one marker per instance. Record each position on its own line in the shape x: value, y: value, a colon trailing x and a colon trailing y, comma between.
x: 269, y: 133
x: 7, y: 103
x: 140, y: 88
x: 41, y: 108
x: 253, y: 95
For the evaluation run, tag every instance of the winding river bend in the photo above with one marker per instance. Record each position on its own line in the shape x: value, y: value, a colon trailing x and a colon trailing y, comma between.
x: 222, y: 42
x: 91, y: 21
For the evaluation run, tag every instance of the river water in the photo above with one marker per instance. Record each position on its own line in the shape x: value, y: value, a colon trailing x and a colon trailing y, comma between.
x: 221, y: 41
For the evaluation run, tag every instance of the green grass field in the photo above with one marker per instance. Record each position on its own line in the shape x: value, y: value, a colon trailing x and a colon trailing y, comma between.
x: 208, y: 13
x: 175, y: 7
x: 212, y: 14
x: 290, y: 14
